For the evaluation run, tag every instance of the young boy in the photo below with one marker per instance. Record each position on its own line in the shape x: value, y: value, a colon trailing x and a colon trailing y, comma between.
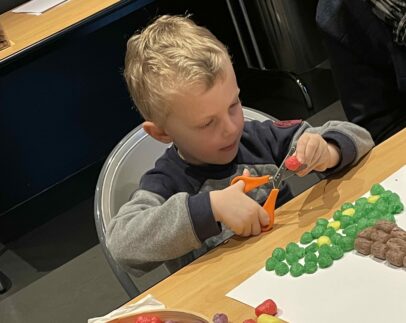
x: 183, y: 83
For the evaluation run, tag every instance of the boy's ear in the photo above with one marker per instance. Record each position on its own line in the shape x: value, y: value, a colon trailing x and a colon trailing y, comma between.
x: 156, y: 132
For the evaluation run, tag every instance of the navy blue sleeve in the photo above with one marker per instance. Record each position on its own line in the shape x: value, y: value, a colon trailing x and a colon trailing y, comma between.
x: 202, y: 217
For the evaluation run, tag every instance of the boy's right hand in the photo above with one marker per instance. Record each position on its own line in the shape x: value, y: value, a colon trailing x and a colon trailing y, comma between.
x: 239, y: 212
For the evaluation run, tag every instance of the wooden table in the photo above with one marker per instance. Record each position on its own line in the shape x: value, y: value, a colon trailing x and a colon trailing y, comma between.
x: 25, y: 31
x: 201, y: 286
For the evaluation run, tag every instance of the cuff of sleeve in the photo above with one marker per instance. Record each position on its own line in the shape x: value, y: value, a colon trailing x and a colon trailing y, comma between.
x: 202, y: 217
x: 347, y: 149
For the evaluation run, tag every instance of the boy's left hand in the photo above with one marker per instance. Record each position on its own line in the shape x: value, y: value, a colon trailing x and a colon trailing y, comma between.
x: 316, y: 153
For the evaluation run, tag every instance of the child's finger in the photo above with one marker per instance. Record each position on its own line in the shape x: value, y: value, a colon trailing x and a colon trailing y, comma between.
x: 255, y: 228
x: 246, y: 172
x: 301, y: 148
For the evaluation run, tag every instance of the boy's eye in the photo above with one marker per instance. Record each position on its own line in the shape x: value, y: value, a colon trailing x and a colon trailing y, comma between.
x: 207, y: 124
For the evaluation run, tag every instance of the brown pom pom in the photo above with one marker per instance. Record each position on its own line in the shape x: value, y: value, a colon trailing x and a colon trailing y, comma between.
x: 379, y: 249
x: 366, y: 233
x: 363, y: 246
x: 379, y: 235
x: 395, y: 257
x: 386, y: 226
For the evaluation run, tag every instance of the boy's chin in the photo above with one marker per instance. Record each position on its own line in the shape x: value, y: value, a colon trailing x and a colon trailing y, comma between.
x: 224, y: 160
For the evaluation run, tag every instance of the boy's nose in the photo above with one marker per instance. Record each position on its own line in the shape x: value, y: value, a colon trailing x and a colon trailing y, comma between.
x: 230, y: 127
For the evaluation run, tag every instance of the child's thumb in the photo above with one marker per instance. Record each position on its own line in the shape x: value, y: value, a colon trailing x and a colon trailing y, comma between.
x: 263, y: 217
x: 240, y: 185
x: 246, y: 172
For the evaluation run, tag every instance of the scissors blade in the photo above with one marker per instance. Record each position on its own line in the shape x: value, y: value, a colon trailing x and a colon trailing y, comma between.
x: 283, y: 173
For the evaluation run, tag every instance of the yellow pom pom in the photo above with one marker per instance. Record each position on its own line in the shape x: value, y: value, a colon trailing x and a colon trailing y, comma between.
x: 266, y: 318
x: 335, y: 225
x: 373, y: 198
x: 349, y: 212
x: 323, y: 240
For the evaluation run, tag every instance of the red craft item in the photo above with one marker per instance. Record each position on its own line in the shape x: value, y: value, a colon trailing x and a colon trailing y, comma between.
x: 292, y: 163
x: 148, y: 319
x: 267, y: 307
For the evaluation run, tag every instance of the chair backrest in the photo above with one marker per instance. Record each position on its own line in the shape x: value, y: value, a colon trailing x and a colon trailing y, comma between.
x: 130, y: 159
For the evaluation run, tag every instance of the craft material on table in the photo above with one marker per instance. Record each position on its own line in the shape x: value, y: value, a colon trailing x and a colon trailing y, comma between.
x: 37, y: 7
x: 4, y: 43
x: 356, y: 289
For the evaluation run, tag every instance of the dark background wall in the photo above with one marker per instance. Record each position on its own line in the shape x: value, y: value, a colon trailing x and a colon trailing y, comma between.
x: 6, y: 5
x: 64, y: 105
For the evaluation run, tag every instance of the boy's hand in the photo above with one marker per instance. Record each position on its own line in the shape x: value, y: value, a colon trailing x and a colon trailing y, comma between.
x: 238, y: 211
x: 316, y: 153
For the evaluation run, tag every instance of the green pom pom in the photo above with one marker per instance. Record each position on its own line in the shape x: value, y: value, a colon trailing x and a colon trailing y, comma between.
x: 362, y: 224
x: 310, y: 267
x: 336, y: 238
x: 310, y: 257
x: 361, y: 202
x: 377, y: 189
x: 347, y: 244
x: 306, y: 238
x: 329, y: 232
x: 359, y: 214
x: 279, y: 254
x: 351, y: 231
x: 388, y: 217
x: 387, y: 196
x: 396, y: 208
x: 325, y: 261
x: 281, y: 269
x: 337, y: 215
x: 296, y: 270
x: 292, y: 247
x: 374, y: 214
x: 317, y: 231
x: 324, y: 250
x: 346, y: 221
x: 372, y: 222
x: 336, y: 252
x: 291, y: 258
x: 311, y: 248
x: 300, y: 252
x: 271, y: 263
x: 321, y: 221
x: 346, y: 205
x: 382, y: 206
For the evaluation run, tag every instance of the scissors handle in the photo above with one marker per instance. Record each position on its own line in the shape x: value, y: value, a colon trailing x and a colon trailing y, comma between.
x: 251, y: 182
x: 269, y: 207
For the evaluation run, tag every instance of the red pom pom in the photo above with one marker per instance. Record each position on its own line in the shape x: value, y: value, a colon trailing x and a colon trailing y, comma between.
x: 292, y: 163
x: 267, y: 307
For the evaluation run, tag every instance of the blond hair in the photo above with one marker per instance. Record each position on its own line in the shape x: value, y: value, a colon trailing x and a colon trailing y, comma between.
x: 168, y: 57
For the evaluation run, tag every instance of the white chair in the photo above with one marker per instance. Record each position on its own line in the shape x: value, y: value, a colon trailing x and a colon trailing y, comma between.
x: 130, y: 159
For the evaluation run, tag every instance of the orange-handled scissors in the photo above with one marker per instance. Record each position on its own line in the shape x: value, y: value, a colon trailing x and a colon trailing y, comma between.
x: 252, y: 182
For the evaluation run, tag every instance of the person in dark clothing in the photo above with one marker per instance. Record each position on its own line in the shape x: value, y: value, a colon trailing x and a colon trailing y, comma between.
x: 367, y: 47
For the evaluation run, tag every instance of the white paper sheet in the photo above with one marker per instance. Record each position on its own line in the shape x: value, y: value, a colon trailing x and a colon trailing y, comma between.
x: 354, y: 289
x: 36, y: 7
